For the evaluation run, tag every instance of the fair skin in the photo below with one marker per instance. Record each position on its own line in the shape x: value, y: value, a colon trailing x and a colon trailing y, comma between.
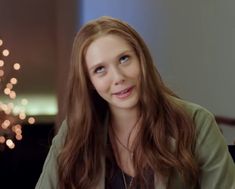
x: 114, y: 71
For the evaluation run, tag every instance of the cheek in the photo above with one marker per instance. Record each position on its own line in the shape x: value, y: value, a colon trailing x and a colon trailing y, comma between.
x: 136, y: 72
x: 100, y: 85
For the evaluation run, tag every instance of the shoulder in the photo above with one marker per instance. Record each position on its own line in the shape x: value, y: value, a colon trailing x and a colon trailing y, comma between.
x: 204, y: 121
x: 59, y: 139
x: 198, y: 113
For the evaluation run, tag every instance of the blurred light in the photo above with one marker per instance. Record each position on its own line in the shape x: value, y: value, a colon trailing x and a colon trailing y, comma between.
x: 18, y: 137
x: 16, y: 66
x: 13, y: 81
x: 24, y: 101
x: 18, y: 131
x: 1, y: 73
x: 6, y: 124
x: 10, y: 105
x: 1, y: 63
x: 2, y: 139
x: 22, y: 115
x: 12, y: 95
x: 5, y: 52
x: 1, y: 42
x: 18, y: 126
x: 12, y: 146
x: 31, y: 120
x: 9, y: 85
x: 10, y: 143
x: 3, y: 107
x: 7, y: 91
x: 16, y: 110
x: 8, y: 111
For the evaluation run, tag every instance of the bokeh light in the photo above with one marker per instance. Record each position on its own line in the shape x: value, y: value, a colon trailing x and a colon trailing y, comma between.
x: 5, y: 52
x: 16, y: 66
x: 1, y: 63
x: 31, y: 120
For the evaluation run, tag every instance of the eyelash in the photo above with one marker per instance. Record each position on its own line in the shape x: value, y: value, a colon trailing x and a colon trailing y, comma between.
x: 124, y: 58
x: 97, y: 70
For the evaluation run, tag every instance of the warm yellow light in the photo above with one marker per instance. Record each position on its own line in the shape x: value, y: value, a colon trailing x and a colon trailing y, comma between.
x: 12, y: 95
x: 18, y: 126
x: 22, y: 115
x: 13, y: 81
x: 3, y: 107
x: 7, y: 91
x: 5, y: 52
x: 6, y: 124
x: 16, y: 66
x: 2, y: 139
x: 1, y: 63
x: 19, y: 137
x: 12, y: 146
x: 1, y: 73
x: 1, y: 42
x: 18, y: 131
x: 31, y: 120
x: 9, y: 85
x: 8, y: 111
x: 10, y: 105
x: 10, y: 143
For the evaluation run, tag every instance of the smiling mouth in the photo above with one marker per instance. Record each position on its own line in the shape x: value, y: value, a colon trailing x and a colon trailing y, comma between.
x: 124, y: 93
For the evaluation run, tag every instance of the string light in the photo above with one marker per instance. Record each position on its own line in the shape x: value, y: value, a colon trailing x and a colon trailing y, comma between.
x: 13, y: 81
x: 1, y: 73
x: 1, y: 63
x: 24, y: 101
x: 5, y: 52
x: 2, y: 139
x: 12, y: 114
x: 16, y: 66
x: 7, y: 91
x: 12, y: 95
x: 31, y: 120
x: 9, y: 86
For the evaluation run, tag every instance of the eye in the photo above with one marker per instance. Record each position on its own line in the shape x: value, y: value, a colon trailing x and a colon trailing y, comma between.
x: 124, y: 59
x: 100, y: 69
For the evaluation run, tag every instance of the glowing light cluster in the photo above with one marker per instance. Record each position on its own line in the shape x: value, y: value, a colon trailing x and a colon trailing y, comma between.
x: 11, y: 116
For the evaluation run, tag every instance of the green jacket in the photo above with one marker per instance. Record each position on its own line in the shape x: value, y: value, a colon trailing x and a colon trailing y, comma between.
x: 216, y: 164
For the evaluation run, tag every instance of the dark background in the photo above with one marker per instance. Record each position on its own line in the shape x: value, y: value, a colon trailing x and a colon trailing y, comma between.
x: 20, y: 168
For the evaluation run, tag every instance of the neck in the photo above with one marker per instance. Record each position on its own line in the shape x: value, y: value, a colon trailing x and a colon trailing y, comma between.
x: 123, y: 121
x: 123, y: 130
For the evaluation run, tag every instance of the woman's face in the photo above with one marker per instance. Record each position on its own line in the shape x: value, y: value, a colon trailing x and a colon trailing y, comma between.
x: 114, y: 71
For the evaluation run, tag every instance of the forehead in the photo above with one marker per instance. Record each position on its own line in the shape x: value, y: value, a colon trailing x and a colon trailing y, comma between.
x: 105, y: 48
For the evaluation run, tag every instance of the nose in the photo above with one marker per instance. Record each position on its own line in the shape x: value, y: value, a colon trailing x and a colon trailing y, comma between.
x: 118, y: 76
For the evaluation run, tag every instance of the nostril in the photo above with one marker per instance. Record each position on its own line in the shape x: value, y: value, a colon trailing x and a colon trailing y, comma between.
x: 119, y: 82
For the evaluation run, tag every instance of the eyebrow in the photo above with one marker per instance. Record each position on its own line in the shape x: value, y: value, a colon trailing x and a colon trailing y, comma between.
x: 117, y: 57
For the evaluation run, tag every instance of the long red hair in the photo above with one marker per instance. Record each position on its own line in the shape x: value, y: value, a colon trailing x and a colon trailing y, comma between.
x: 164, y: 123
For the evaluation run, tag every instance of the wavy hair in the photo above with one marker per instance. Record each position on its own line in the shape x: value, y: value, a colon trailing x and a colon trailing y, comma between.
x: 164, y: 123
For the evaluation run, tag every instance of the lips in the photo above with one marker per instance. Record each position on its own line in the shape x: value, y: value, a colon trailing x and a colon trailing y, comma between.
x: 124, y: 93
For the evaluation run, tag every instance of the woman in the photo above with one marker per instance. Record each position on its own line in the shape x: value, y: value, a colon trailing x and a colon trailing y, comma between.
x: 124, y: 128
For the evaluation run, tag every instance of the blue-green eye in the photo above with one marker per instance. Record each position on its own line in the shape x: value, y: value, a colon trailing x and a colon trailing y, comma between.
x: 99, y: 69
x: 124, y: 59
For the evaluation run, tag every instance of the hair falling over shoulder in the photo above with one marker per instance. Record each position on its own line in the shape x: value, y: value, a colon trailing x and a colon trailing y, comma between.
x: 164, y: 124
